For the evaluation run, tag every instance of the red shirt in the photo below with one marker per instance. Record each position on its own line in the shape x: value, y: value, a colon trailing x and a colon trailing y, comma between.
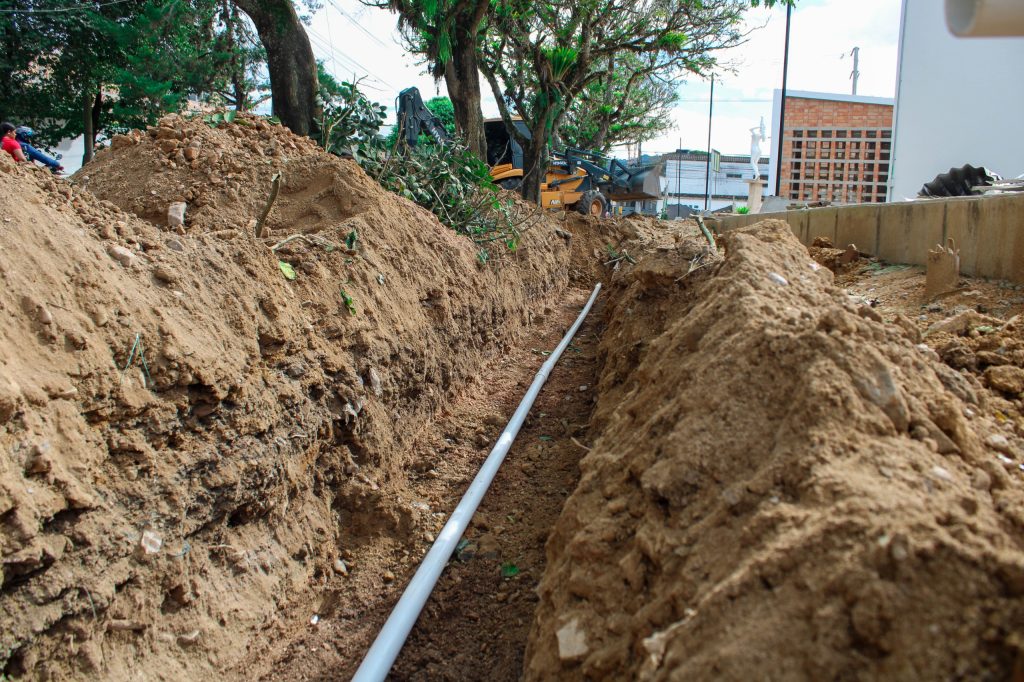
x: 11, y: 146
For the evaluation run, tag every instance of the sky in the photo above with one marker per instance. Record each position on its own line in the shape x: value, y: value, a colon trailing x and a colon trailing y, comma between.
x: 360, y: 41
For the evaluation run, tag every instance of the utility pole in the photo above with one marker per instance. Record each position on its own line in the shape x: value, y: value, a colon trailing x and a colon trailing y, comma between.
x: 856, y: 68
x: 679, y: 177
x: 707, y: 170
x: 780, y: 140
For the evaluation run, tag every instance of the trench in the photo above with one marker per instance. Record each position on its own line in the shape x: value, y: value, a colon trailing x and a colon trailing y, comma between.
x: 477, y: 621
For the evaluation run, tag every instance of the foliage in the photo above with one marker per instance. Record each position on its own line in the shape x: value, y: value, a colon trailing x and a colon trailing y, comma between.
x: 743, y: 210
x: 349, y: 119
x: 448, y: 180
x: 111, y: 66
x: 452, y: 183
x: 629, y: 103
x: 349, y: 303
x: 540, y: 58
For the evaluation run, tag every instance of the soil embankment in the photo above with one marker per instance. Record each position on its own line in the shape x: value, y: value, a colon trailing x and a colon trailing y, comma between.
x: 192, y: 440
x: 782, y: 482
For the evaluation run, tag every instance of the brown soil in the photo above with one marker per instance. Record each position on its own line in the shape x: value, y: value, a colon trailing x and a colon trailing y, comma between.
x: 780, y: 482
x: 764, y: 472
x: 270, y: 434
x: 476, y: 622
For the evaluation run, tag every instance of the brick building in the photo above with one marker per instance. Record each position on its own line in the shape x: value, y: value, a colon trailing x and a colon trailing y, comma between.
x: 836, y: 148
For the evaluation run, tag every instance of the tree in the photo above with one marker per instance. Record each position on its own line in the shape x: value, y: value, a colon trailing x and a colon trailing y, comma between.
x: 540, y: 57
x: 629, y: 103
x: 100, y: 69
x: 290, y: 60
x: 448, y: 34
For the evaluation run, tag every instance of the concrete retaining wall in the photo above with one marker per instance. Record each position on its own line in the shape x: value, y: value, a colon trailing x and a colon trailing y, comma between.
x: 989, y: 230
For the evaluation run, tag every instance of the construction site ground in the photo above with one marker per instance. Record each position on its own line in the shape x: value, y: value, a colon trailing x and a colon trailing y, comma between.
x: 226, y: 454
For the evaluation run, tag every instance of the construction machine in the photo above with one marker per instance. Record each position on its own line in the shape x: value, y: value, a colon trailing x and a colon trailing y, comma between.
x: 575, y: 178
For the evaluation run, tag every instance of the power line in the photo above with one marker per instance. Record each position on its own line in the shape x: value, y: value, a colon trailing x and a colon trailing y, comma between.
x: 356, y: 23
x: 320, y: 40
x: 82, y: 8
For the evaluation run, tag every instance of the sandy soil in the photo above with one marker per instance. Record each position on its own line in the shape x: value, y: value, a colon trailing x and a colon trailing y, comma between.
x: 744, y: 462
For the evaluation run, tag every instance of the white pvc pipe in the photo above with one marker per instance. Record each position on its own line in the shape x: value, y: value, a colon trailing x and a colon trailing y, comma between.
x: 382, y: 654
x: 969, y: 18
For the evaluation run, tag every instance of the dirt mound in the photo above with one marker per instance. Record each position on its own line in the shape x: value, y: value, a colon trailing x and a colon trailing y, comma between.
x: 224, y: 174
x: 192, y: 439
x: 782, y: 483
x: 601, y: 245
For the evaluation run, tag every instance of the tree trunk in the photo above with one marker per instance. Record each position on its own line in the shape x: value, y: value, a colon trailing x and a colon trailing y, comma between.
x: 462, y: 77
x: 535, y: 162
x: 89, y: 132
x: 293, y: 82
x: 97, y: 110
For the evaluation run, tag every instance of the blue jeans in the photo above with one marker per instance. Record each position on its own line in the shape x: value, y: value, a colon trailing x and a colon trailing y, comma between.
x: 34, y: 154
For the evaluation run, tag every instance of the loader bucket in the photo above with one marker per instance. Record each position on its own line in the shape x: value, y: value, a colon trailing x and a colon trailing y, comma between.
x: 639, y: 183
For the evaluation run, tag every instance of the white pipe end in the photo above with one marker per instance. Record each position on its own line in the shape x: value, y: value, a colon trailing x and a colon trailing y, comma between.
x: 985, y: 18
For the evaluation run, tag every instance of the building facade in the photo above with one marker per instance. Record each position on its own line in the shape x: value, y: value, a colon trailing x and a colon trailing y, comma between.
x: 684, y: 177
x: 958, y: 101
x: 835, y: 148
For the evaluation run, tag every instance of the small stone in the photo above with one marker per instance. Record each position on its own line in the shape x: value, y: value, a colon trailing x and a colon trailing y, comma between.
x: 999, y: 443
x: 1005, y: 378
x: 340, y: 567
x: 164, y: 274
x: 777, y: 278
x: 941, y: 473
x: 168, y: 146
x: 572, y: 641
x: 191, y: 154
x: 175, y: 245
x: 150, y: 542
x: 44, y: 316
x: 121, y: 255
x: 375, y: 383
x: 583, y: 388
x: 388, y: 576
x: 176, y: 214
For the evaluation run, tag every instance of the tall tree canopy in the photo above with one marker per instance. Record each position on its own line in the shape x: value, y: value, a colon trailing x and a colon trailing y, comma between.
x: 73, y: 69
x: 629, y: 103
x: 448, y: 34
x: 539, y: 58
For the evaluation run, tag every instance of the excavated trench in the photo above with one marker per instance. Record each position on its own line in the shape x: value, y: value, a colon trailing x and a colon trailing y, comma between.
x: 735, y: 466
x: 476, y: 623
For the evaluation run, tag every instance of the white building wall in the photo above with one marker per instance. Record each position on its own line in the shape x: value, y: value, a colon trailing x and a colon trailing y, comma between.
x: 958, y: 100
x: 687, y: 178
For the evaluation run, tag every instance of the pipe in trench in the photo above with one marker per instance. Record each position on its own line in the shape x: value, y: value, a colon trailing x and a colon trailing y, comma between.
x: 977, y: 18
x: 385, y: 648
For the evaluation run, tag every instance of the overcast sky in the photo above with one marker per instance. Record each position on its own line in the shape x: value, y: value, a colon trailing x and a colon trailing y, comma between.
x: 353, y: 39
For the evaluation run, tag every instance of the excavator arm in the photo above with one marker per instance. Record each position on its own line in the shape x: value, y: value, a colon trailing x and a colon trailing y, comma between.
x: 414, y: 117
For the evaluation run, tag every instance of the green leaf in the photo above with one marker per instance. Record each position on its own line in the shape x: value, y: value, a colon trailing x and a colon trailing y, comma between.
x: 509, y: 570
x: 546, y: 438
x: 287, y: 270
x: 349, y: 303
x: 350, y: 240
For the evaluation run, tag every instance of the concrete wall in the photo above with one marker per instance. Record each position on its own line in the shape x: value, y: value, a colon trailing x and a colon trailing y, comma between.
x: 989, y: 230
x: 957, y: 102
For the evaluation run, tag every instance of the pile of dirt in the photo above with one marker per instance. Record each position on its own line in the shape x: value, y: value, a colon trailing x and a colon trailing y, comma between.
x: 601, y: 246
x: 192, y: 439
x: 780, y: 482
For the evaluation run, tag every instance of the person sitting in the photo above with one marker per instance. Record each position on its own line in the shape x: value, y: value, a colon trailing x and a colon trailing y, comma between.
x: 23, y: 134
x: 10, y: 143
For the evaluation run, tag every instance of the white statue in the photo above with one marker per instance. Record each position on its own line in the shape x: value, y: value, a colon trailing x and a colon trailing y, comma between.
x: 756, y: 138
